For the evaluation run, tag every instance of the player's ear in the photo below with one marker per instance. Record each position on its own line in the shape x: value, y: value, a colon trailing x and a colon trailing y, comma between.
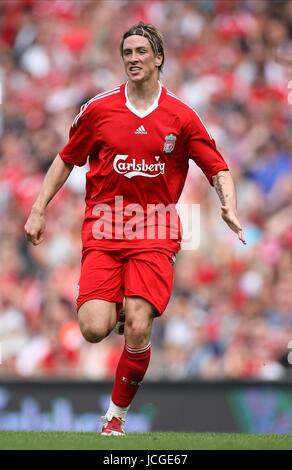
x: 158, y: 60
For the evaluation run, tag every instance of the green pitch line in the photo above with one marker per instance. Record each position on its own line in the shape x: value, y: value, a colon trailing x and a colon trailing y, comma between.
x: 11, y: 440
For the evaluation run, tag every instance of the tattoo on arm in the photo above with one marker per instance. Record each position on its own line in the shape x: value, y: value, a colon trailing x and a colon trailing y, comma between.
x: 222, y: 187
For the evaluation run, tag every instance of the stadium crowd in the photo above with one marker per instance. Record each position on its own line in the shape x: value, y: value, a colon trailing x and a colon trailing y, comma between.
x: 230, y: 315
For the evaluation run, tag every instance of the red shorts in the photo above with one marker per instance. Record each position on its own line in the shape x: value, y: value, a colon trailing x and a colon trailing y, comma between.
x: 113, y: 275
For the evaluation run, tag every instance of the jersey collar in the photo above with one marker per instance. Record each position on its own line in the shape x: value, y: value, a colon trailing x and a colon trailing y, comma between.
x: 149, y: 110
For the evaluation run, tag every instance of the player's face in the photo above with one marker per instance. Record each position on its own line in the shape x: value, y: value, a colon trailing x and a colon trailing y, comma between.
x: 139, y: 59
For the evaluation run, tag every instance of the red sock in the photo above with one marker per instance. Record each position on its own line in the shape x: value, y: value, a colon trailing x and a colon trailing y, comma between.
x: 130, y: 371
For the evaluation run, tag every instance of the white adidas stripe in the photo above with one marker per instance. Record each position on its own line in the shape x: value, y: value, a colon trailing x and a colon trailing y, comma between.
x: 177, y: 98
x: 141, y: 130
x: 103, y: 93
x: 137, y: 350
x: 95, y: 98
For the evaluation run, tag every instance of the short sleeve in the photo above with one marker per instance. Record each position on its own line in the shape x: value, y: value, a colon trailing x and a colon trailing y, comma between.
x: 82, y: 138
x: 201, y: 148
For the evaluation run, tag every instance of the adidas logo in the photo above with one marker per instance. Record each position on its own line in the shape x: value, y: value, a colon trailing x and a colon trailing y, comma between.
x: 141, y: 130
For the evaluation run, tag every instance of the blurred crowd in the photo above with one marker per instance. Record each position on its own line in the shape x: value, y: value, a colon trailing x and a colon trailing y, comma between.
x: 230, y: 315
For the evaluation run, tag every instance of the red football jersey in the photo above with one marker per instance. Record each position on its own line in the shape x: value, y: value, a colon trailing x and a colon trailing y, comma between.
x: 138, y: 160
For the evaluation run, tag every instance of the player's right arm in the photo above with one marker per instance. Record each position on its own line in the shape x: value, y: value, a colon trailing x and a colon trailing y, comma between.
x: 82, y: 140
x: 54, y: 180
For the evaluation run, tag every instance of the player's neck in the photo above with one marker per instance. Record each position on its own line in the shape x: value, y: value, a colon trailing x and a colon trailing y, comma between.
x: 143, y: 95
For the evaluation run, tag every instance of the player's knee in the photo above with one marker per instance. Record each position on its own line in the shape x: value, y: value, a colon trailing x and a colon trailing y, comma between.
x: 92, y: 333
x: 96, y: 320
x: 137, y: 331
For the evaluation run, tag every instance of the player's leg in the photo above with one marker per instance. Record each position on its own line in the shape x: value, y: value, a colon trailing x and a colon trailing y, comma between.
x: 133, y: 363
x: 97, y: 318
x: 148, y: 282
x: 100, y: 294
x: 135, y: 358
x: 139, y: 319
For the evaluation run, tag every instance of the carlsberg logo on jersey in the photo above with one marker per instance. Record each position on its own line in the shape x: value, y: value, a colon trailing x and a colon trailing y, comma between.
x: 131, y: 168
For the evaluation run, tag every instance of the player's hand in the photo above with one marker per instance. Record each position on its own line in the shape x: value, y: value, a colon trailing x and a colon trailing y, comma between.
x: 35, y: 227
x: 230, y: 217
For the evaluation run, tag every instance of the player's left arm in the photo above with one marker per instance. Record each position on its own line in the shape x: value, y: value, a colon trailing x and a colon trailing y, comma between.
x: 202, y: 149
x: 225, y: 189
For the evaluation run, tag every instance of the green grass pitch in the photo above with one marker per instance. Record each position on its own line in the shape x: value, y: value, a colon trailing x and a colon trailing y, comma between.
x: 13, y: 440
